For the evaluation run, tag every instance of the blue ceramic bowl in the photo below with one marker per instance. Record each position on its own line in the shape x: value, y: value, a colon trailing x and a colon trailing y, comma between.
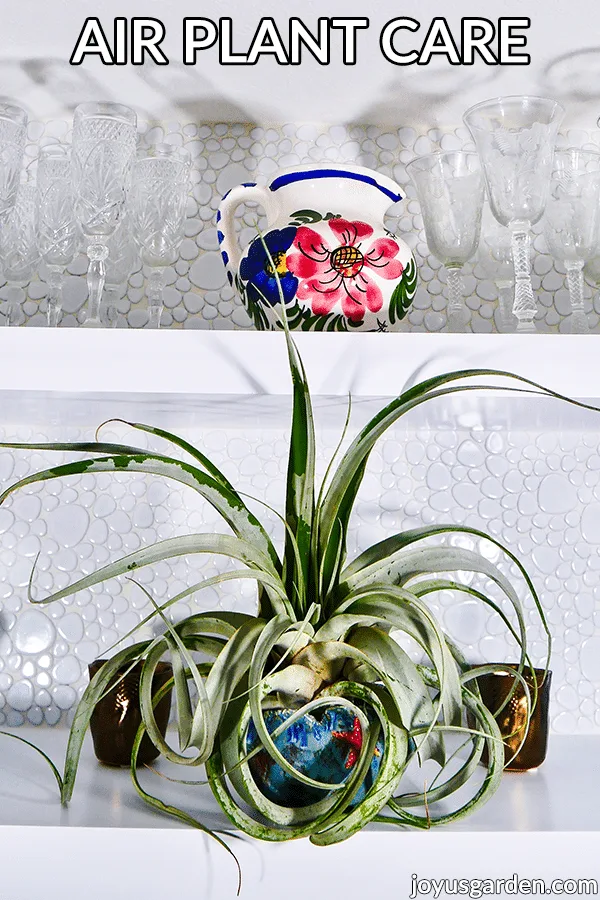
x: 324, y: 746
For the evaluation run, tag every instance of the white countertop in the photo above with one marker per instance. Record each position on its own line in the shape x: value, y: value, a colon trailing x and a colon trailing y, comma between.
x: 553, y: 798
x: 542, y: 824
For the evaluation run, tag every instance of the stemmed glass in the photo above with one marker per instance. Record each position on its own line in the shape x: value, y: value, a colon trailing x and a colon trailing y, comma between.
x: 103, y: 153
x: 515, y: 138
x: 13, y: 132
x: 158, y: 210
x: 496, y: 261
x: 19, y: 249
x: 56, y: 226
x: 591, y: 273
x: 122, y: 254
x: 572, y: 221
x: 451, y: 191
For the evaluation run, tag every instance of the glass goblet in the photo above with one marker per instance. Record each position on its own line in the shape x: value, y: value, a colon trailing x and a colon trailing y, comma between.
x: 13, y: 132
x: 572, y: 222
x: 19, y: 250
x: 515, y: 139
x: 158, y: 210
x: 103, y: 153
x: 451, y: 191
x: 122, y: 255
x: 56, y: 226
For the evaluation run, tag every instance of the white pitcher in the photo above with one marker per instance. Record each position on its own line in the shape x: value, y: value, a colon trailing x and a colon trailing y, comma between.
x: 325, y: 252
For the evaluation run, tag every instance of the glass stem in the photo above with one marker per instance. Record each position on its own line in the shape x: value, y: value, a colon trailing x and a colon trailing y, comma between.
x: 506, y: 320
x: 524, y: 306
x: 112, y: 295
x: 156, y: 283
x: 13, y: 312
x: 456, y: 311
x: 97, y: 253
x: 579, y: 323
x: 55, y: 283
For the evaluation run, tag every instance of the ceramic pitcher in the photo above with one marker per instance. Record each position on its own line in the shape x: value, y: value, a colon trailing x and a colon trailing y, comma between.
x: 338, y: 269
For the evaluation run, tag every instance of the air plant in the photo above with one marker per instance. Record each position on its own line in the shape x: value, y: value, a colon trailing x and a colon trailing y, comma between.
x: 323, y: 641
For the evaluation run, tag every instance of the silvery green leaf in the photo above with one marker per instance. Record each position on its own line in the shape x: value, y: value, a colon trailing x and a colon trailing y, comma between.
x: 230, y: 506
x: 223, y: 544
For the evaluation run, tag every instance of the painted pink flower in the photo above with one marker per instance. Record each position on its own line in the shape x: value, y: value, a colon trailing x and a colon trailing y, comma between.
x: 342, y: 273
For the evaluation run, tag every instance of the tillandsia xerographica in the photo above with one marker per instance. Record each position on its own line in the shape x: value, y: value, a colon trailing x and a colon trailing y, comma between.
x: 321, y: 657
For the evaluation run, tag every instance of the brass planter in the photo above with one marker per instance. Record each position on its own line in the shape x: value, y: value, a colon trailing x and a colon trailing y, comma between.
x: 117, y: 716
x: 512, y: 720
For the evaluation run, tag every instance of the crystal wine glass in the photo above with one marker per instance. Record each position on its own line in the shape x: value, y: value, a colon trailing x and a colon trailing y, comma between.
x: 515, y: 138
x: 572, y: 221
x: 158, y: 209
x: 58, y: 237
x: 103, y: 153
x: 13, y: 132
x: 451, y: 191
x: 19, y: 249
x: 122, y: 254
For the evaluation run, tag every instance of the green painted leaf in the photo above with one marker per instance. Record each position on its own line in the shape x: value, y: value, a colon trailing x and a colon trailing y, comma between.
x: 301, y: 318
x: 403, y: 293
x: 306, y: 217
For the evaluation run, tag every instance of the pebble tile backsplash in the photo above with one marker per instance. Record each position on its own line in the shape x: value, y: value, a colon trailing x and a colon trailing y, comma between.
x: 537, y: 492
x: 198, y: 295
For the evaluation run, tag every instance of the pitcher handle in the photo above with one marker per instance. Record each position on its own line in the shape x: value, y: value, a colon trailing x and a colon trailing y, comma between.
x: 230, y: 248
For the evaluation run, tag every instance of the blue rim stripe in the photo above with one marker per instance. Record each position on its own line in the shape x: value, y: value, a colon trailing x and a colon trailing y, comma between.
x: 292, y: 177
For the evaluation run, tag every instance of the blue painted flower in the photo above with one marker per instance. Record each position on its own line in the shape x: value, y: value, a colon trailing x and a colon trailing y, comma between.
x: 258, y: 271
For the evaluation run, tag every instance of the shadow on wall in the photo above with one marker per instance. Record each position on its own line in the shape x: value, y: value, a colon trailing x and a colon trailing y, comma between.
x: 574, y: 80
x: 172, y: 92
x: 418, y: 94
x: 48, y: 84
x: 423, y: 95
x: 191, y: 95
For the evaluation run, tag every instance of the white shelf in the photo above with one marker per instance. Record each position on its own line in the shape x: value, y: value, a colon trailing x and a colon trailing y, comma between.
x: 80, y: 361
x: 544, y: 824
x: 540, y: 824
x: 550, y: 799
